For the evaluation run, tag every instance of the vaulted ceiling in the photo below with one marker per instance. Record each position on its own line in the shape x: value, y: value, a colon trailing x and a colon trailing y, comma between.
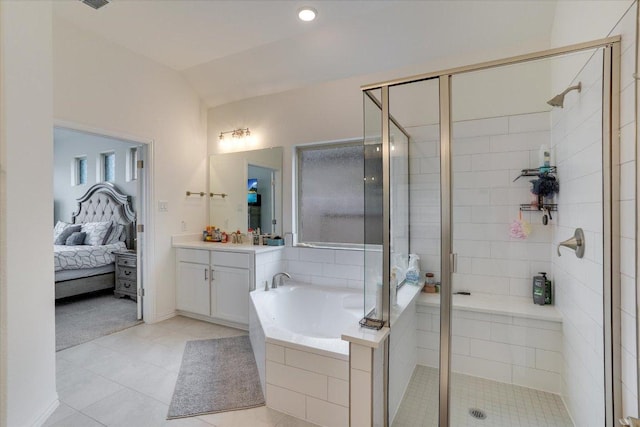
x: 231, y: 50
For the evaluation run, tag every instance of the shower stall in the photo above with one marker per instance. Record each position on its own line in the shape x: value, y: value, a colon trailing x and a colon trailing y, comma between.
x: 452, y: 160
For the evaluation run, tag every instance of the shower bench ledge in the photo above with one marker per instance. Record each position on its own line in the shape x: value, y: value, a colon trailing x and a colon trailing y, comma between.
x: 493, y: 304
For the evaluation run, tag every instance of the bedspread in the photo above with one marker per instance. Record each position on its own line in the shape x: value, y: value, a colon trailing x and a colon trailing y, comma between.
x: 77, y: 257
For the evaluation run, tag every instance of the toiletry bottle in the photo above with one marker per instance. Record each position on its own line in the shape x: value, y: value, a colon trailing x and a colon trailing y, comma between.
x: 413, y: 272
x: 544, y: 158
x: 539, y: 289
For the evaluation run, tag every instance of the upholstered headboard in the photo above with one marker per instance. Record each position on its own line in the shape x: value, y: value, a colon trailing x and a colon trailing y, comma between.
x: 104, y: 202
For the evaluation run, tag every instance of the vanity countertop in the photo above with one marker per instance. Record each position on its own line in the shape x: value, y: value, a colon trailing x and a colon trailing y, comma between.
x: 181, y: 242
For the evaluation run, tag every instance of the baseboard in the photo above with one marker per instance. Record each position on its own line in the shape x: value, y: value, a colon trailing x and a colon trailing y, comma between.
x: 162, y: 317
x: 42, y: 418
x: 215, y: 320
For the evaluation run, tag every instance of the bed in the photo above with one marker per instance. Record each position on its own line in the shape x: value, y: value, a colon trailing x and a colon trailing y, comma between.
x: 86, y: 263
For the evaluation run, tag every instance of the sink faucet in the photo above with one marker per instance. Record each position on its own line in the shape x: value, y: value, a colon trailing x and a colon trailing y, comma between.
x: 278, y: 280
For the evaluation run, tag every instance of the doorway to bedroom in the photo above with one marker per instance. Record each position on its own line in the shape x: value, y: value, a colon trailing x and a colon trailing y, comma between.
x: 99, y: 189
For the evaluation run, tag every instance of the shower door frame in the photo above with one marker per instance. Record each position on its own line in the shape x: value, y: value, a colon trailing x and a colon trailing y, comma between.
x: 611, y: 215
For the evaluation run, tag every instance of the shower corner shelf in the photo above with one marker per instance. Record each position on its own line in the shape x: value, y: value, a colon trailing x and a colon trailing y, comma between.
x: 528, y: 207
x: 535, y: 172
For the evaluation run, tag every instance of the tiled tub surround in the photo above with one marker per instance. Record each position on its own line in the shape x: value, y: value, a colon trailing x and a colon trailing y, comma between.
x: 304, y: 365
x: 513, y: 342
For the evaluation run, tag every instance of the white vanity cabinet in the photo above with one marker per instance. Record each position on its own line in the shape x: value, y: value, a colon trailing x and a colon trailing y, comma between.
x: 213, y: 281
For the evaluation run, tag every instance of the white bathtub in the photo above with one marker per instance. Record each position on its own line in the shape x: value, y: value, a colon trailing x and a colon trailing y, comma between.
x: 303, y: 363
x: 309, y: 316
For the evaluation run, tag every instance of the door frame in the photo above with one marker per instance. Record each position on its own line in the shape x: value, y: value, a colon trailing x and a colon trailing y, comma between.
x: 144, y: 240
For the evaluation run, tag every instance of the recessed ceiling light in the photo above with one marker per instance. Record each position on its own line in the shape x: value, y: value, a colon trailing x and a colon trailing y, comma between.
x: 307, y: 14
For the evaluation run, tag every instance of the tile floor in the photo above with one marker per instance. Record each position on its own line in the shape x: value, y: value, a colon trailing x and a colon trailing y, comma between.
x: 504, y: 404
x: 127, y: 379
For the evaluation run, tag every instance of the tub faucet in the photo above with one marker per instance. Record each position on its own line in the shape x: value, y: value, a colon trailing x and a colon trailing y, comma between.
x: 278, y: 280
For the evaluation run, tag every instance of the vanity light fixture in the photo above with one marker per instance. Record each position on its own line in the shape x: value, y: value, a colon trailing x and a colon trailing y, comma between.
x: 236, y: 133
x: 307, y: 14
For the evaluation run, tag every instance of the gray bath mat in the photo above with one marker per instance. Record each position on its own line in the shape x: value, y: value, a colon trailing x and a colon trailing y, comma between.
x: 216, y: 376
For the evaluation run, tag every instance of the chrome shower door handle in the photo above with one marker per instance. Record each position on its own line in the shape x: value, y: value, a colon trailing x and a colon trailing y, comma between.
x: 576, y: 243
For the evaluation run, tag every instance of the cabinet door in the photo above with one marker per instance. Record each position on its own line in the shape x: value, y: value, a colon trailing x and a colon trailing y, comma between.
x: 193, y: 288
x: 230, y: 294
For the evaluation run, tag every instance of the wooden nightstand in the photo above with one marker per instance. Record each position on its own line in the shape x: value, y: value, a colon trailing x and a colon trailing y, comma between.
x: 126, y: 275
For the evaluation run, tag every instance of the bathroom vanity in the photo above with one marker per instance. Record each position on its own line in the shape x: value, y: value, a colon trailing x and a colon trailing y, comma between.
x: 213, y: 280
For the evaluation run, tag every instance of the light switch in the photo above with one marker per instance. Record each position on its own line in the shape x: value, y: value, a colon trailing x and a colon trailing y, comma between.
x: 163, y: 206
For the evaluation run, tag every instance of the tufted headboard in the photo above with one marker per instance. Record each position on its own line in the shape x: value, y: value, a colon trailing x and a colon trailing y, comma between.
x: 104, y: 202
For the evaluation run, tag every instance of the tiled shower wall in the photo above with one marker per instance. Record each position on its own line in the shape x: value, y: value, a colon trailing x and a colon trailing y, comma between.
x: 576, y: 133
x: 488, y: 154
x: 577, y: 141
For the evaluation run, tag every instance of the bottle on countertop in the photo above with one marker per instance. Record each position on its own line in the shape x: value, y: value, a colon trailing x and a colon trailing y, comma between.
x: 413, y: 271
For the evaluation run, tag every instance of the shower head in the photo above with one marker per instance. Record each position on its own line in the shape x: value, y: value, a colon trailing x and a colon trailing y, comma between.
x: 558, y: 100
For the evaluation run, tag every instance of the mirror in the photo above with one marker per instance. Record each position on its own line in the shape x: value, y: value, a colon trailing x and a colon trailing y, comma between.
x: 252, y: 182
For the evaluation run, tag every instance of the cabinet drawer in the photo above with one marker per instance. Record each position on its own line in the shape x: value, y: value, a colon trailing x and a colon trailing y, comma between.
x: 127, y: 273
x: 126, y: 286
x: 193, y: 255
x: 126, y: 261
x: 230, y: 259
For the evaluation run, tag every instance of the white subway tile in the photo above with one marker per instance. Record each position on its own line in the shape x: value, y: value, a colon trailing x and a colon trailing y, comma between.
x: 505, y: 353
x: 537, y: 379
x: 548, y: 360
x: 471, y: 328
x: 320, y: 364
x: 428, y: 357
x: 316, y: 255
x: 360, y: 357
x: 286, y: 401
x: 465, y: 146
x: 295, y: 379
x: 349, y: 257
x: 275, y: 353
x: 530, y: 337
x: 530, y: 122
x: 360, y: 403
x: 490, y: 369
x: 482, y: 127
x: 338, y: 392
x: 305, y: 268
x: 326, y: 414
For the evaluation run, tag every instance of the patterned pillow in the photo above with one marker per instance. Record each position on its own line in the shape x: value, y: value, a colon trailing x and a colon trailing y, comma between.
x: 64, y: 235
x: 59, y: 228
x: 116, y: 232
x: 96, y: 232
x: 76, y: 239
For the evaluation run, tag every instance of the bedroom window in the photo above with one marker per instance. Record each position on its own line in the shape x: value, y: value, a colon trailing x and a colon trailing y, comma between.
x: 108, y: 166
x: 330, y: 196
x: 79, y: 175
x: 132, y: 164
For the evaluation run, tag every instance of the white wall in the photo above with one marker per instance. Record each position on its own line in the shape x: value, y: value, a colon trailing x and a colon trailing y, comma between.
x: 27, y: 356
x: 71, y: 144
x: 102, y: 86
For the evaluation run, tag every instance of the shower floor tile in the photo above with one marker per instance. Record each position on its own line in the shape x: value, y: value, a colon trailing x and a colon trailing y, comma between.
x: 504, y: 404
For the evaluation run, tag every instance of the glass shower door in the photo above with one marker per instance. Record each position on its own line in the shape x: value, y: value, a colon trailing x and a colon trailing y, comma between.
x: 414, y: 341
x: 522, y: 348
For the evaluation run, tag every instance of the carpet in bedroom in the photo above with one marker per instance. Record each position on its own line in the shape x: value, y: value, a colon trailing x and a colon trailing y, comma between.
x: 84, y: 318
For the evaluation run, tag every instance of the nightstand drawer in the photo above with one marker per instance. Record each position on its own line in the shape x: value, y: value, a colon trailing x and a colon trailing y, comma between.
x: 127, y: 273
x: 126, y: 286
x: 127, y: 261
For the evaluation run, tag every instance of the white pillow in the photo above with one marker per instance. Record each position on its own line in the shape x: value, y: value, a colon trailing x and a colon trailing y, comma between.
x: 59, y: 228
x: 96, y: 232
